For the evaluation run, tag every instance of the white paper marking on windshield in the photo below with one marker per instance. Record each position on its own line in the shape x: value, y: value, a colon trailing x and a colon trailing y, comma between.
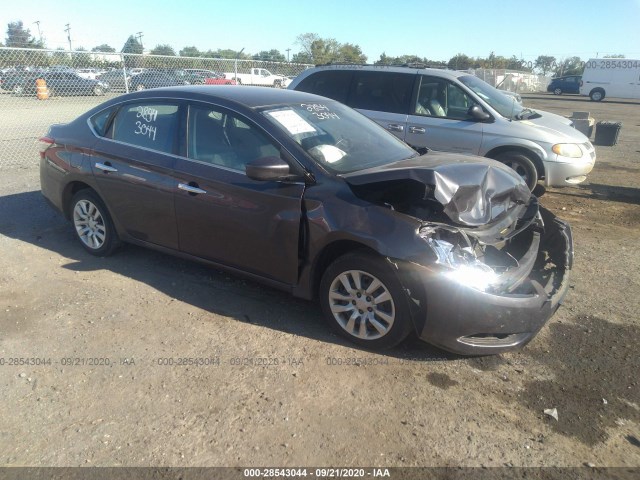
x: 293, y: 122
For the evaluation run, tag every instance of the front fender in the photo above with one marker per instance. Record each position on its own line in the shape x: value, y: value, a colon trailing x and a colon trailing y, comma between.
x: 513, y: 142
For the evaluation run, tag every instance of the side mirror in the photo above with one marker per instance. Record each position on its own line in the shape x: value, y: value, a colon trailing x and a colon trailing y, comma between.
x: 478, y: 113
x: 267, y: 168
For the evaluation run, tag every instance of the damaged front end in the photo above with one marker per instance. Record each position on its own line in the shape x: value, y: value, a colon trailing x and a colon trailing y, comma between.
x: 490, y: 293
x: 495, y: 264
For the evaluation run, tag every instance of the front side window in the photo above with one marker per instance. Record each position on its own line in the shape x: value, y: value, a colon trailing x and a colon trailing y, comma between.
x: 381, y: 91
x: 504, y: 105
x: 221, y: 138
x: 438, y: 97
x: 147, y: 125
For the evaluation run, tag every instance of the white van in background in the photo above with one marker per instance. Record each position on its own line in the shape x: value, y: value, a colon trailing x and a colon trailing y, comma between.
x: 611, y: 77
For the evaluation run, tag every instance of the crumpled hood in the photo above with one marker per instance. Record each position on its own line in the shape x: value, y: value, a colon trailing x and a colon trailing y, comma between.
x: 473, y: 190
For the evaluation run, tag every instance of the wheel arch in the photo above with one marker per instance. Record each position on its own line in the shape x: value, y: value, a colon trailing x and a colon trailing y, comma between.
x: 532, y: 155
x: 69, y: 191
x: 328, y: 255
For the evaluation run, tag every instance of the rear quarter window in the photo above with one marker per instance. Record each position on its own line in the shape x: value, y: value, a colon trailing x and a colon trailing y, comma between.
x: 100, y: 121
x: 328, y: 83
x: 382, y: 91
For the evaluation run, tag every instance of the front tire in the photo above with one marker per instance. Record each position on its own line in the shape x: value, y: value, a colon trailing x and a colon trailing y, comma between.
x: 98, y: 91
x: 523, y: 166
x: 140, y: 87
x: 363, y: 300
x: 92, y: 224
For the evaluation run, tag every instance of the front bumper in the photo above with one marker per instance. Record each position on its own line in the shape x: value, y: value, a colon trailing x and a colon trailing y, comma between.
x: 570, y: 172
x: 471, y: 322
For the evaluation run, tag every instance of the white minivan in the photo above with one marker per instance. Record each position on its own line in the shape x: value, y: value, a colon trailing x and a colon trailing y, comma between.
x: 456, y: 112
x: 611, y: 77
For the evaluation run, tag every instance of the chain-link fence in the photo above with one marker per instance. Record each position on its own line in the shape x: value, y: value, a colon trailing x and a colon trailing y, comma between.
x: 74, y: 82
x: 512, y: 80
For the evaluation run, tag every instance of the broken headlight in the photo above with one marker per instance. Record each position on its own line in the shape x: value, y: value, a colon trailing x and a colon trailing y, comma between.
x: 456, y: 253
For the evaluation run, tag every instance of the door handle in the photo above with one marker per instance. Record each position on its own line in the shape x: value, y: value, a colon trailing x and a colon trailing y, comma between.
x: 417, y: 130
x: 190, y: 188
x: 394, y: 127
x: 105, y: 168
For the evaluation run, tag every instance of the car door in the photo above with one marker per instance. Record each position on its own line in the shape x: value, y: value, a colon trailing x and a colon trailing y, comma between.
x: 223, y: 215
x: 384, y: 97
x: 439, y: 118
x: 132, y: 164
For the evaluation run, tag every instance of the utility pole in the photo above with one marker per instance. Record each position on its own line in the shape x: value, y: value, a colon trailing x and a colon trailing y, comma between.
x: 68, y: 30
x: 140, y: 35
x: 235, y: 68
x: 288, y: 50
x: 37, y: 22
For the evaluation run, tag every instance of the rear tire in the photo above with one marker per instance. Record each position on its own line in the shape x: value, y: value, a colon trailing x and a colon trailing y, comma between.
x: 98, y: 91
x: 140, y: 87
x: 363, y: 300
x: 597, y: 95
x: 92, y: 224
x: 557, y: 91
x: 523, y: 166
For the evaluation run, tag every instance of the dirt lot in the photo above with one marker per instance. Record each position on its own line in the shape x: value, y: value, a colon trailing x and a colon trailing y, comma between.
x: 280, y: 389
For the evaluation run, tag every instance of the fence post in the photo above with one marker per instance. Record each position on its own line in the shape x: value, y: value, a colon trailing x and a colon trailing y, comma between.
x: 124, y: 72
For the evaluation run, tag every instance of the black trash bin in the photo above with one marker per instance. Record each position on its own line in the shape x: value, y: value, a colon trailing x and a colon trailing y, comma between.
x: 607, y: 133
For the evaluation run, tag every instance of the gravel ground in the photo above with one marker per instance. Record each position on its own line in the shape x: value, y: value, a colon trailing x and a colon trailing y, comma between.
x: 270, y: 385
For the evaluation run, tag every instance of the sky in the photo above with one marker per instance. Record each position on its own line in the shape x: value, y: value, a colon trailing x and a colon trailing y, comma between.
x: 437, y: 30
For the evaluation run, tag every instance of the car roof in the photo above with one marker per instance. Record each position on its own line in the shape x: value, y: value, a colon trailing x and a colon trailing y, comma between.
x: 390, y: 68
x: 248, y: 96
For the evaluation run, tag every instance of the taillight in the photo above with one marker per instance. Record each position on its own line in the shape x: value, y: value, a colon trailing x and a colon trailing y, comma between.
x: 45, y: 143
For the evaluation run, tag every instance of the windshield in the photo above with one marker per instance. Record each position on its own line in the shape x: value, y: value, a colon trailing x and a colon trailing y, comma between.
x: 337, y: 137
x: 505, y: 105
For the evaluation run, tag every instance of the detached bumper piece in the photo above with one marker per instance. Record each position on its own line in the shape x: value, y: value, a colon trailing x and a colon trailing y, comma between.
x: 469, y: 321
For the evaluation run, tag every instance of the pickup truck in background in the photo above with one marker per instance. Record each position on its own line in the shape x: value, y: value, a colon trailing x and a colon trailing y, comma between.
x: 259, y: 76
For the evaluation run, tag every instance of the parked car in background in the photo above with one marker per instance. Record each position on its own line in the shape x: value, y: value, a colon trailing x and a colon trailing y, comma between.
x: 116, y: 79
x: 62, y: 83
x: 457, y: 112
x: 15, y: 81
x: 568, y: 84
x: 90, y: 73
x: 304, y: 194
x: 155, y: 79
x: 206, y: 77
x: 611, y: 77
x: 136, y: 71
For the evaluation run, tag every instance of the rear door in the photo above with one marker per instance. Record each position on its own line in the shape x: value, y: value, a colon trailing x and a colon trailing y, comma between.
x: 439, y: 118
x: 384, y: 97
x: 133, y: 164
x: 223, y: 215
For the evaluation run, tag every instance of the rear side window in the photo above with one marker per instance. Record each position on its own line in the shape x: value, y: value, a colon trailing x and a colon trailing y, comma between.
x: 382, y: 91
x: 328, y: 83
x: 148, y: 125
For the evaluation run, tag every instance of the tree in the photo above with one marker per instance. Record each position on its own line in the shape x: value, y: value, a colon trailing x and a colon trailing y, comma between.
x: 569, y: 66
x: 460, y: 62
x: 20, y: 37
x: 544, y: 64
x: 226, y: 53
x: 132, y: 45
x: 190, y: 52
x: 103, y: 48
x: 349, y: 52
x: 315, y: 49
x: 272, y: 55
x: 163, y: 50
x: 81, y: 60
